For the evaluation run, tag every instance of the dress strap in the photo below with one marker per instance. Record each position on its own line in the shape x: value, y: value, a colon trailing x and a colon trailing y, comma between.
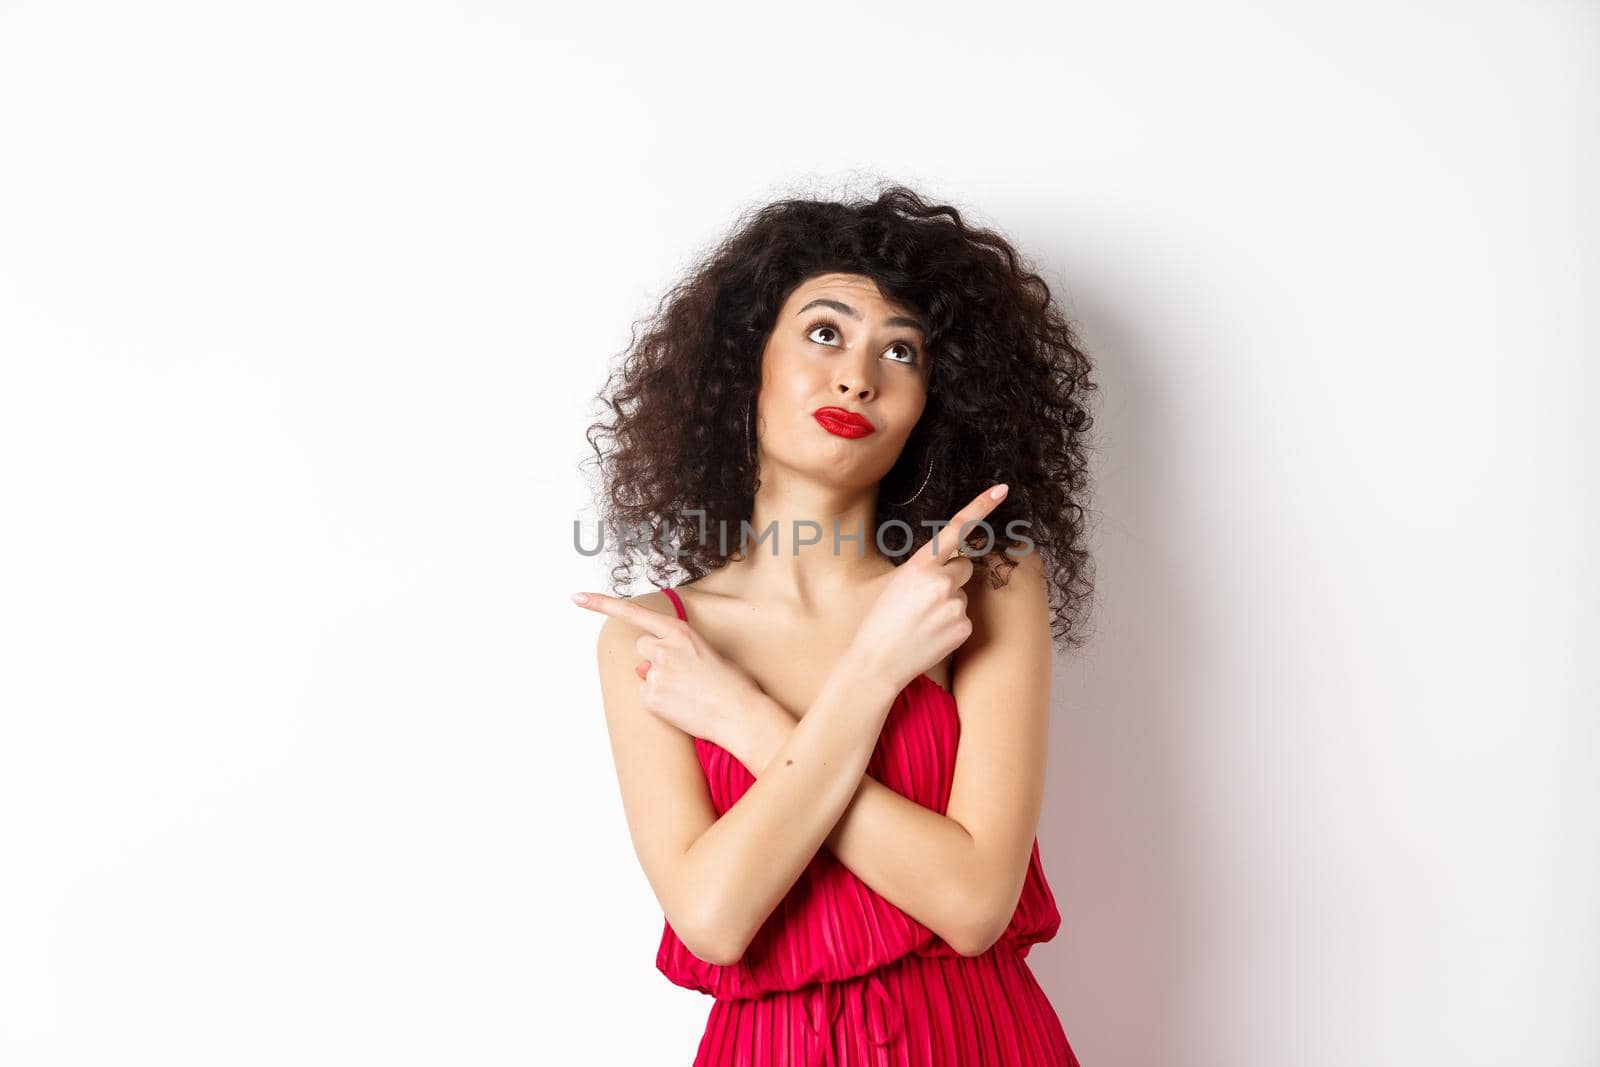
x: 672, y: 595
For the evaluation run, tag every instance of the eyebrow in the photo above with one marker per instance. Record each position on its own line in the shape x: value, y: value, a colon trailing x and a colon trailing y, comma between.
x: 892, y: 320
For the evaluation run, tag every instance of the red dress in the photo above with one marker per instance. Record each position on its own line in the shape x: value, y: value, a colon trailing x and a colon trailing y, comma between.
x: 838, y: 975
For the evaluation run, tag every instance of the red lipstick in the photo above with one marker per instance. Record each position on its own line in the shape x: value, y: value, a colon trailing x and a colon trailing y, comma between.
x: 842, y: 422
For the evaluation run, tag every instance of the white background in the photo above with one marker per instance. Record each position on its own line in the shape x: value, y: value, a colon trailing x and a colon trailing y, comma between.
x: 302, y: 307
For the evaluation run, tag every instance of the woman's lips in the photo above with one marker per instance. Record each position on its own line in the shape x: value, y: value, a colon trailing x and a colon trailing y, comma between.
x: 842, y: 422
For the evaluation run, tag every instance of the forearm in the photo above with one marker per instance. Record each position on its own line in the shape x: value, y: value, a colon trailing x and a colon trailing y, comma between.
x: 751, y: 856
x: 924, y: 863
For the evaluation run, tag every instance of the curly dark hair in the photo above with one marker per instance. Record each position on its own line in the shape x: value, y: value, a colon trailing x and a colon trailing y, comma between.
x: 1007, y: 392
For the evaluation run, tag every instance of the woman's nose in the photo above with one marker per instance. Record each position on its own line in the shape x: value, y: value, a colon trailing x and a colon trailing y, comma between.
x: 856, y: 383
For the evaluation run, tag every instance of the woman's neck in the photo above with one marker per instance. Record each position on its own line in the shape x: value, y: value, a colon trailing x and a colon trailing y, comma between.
x: 809, y: 542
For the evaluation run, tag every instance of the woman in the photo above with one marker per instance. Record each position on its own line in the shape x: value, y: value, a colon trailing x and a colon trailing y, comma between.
x: 851, y: 884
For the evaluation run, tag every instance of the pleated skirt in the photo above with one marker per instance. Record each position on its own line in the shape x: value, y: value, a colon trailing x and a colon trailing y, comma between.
x: 926, y: 1011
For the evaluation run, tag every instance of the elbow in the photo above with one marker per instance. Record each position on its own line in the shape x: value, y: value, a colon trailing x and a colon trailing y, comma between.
x: 982, y: 926
x: 723, y: 952
x: 715, y: 939
x: 977, y: 939
x: 984, y: 912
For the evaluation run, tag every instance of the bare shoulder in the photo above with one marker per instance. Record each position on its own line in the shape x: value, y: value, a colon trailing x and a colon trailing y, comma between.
x: 618, y: 633
x: 1010, y: 639
x: 1023, y: 599
x: 664, y: 794
x: 617, y: 657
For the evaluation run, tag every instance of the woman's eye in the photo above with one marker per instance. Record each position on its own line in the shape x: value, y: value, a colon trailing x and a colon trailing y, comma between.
x: 826, y: 333
x: 822, y: 326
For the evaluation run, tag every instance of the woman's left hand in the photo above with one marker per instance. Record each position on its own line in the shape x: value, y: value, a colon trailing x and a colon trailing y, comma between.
x: 685, y: 681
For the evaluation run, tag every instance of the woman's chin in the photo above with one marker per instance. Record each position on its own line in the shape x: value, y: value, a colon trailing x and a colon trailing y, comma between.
x: 838, y: 474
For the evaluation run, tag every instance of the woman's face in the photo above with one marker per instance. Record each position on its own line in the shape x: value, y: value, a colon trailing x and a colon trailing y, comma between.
x: 838, y: 344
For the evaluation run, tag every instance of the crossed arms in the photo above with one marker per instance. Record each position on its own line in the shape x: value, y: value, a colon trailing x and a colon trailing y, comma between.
x: 959, y: 874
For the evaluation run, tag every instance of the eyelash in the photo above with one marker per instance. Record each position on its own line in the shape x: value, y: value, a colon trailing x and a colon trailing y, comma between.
x: 916, y: 356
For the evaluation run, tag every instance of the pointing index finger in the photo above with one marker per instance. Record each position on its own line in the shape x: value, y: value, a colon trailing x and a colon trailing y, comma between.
x: 976, y: 511
x: 653, y: 622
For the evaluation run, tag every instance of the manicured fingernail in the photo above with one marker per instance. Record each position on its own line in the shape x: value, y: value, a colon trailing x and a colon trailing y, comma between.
x: 580, y: 598
x: 999, y: 491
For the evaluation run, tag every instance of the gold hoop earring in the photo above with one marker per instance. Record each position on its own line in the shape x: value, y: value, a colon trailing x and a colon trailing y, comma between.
x: 750, y: 426
x: 926, y: 475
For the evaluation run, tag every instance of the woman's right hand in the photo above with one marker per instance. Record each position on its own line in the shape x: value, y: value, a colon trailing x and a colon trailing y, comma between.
x: 921, y: 615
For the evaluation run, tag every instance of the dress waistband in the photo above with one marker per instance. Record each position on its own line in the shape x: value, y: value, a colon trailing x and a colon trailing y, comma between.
x: 885, y: 1018
x: 826, y: 998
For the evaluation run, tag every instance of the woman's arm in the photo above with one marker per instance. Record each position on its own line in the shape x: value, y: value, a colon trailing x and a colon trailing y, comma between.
x: 959, y: 874
x: 717, y: 879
